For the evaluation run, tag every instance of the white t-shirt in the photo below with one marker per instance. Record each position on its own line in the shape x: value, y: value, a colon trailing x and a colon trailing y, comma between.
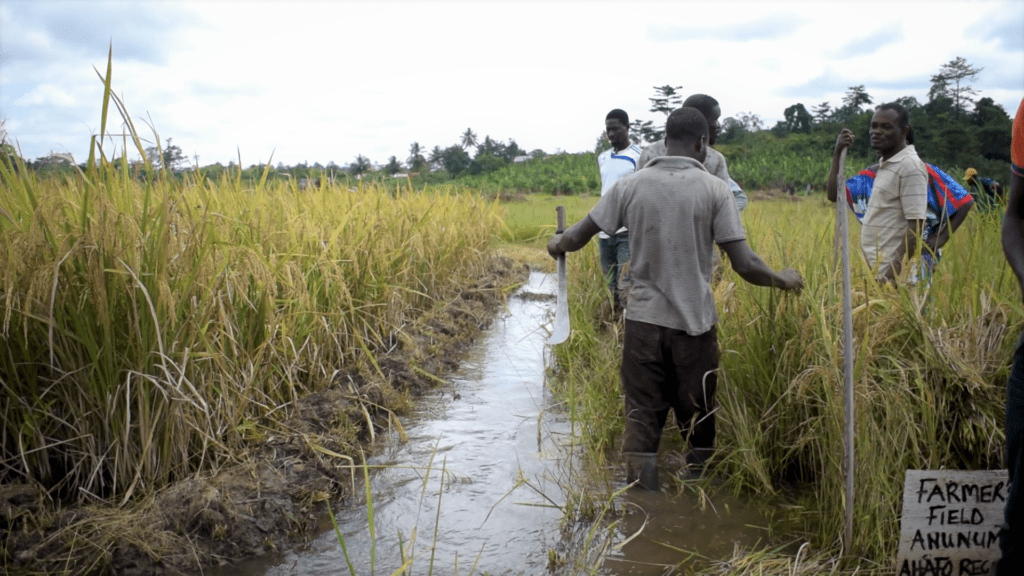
x: 614, y: 165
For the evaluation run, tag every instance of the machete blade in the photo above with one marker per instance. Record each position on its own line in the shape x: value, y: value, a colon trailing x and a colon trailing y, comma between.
x: 560, y: 329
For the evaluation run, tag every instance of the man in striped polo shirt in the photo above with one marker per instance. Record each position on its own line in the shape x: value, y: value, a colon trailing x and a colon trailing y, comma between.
x: 614, y: 163
x: 898, y: 206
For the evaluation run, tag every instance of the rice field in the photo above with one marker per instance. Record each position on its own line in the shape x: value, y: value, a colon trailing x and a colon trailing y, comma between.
x: 153, y: 324
x: 930, y: 371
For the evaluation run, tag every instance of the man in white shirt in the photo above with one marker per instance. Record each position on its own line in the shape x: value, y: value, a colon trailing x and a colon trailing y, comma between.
x: 896, y: 211
x: 614, y: 163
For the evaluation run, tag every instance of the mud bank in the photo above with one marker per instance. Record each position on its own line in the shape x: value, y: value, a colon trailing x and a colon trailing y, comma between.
x: 274, y: 495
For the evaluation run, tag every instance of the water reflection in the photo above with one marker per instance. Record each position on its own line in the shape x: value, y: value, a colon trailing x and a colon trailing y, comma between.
x: 678, y: 530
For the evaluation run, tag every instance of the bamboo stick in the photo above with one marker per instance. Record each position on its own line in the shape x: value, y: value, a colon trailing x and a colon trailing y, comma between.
x: 843, y: 242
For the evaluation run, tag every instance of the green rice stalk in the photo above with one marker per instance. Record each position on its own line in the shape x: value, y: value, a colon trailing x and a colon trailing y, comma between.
x: 341, y: 541
x: 369, y: 515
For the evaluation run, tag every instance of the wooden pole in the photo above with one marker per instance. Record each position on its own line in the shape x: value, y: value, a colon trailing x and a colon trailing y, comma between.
x: 843, y: 239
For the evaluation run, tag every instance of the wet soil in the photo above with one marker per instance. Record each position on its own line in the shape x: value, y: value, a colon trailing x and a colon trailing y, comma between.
x: 274, y: 496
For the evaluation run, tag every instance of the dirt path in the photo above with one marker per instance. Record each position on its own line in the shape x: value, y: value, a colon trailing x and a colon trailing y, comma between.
x: 273, y: 497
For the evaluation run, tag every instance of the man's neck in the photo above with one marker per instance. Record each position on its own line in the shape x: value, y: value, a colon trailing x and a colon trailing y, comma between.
x: 893, y: 152
x: 680, y: 151
x: 616, y: 148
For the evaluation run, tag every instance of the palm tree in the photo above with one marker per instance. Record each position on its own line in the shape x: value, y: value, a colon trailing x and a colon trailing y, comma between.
x: 435, y: 156
x: 362, y: 164
x: 415, y: 156
x: 393, y: 166
x: 468, y: 138
x: 488, y: 145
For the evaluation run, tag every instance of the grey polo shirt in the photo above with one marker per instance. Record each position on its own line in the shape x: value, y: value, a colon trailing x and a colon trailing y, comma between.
x: 714, y: 163
x: 675, y: 211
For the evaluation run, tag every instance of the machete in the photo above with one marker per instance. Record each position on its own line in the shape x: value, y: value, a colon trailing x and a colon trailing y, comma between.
x: 560, y: 329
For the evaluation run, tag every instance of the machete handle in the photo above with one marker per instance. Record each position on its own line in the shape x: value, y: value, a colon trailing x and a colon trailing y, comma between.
x: 560, y: 215
x: 840, y: 178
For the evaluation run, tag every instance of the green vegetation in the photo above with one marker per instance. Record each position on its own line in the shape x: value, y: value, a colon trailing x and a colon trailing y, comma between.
x: 763, y: 161
x: 529, y: 220
x: 558, y: 174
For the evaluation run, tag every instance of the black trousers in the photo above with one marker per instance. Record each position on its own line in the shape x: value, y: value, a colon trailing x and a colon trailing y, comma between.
x: 663, y: 368
x: 1011, y: 537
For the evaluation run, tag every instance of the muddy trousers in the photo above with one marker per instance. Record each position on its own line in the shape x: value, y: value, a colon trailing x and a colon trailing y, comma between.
x: 1011, y: 537
x: 664, y: 369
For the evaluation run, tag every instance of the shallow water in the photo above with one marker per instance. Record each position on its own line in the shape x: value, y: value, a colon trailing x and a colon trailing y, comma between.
x: 676, y: 530
x: 478, y: 485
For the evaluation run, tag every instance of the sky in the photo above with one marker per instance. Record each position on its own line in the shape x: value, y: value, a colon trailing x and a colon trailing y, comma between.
x: 325, y: 81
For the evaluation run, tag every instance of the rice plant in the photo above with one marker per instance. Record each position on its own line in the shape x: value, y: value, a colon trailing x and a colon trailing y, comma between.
x: 150, y: 322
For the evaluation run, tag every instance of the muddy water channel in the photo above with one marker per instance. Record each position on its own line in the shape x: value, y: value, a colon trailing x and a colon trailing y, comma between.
x: 479, y: 484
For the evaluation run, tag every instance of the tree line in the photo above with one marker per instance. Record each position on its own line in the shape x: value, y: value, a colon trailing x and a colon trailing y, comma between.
x: 488, y: 155
x: 954, y: 128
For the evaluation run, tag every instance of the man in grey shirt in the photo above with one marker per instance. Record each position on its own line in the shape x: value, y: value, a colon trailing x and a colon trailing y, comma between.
x: 715, y: 162
x: 676, y: 211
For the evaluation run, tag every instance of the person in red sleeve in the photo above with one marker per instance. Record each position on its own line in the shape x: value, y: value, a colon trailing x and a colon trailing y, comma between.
x: 1011, y: 537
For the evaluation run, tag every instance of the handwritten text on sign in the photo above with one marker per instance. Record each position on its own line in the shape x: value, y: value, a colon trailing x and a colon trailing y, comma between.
x: 951, y: 520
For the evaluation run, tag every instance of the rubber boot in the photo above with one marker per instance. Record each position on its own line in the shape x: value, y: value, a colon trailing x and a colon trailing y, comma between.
x: 642, y: 466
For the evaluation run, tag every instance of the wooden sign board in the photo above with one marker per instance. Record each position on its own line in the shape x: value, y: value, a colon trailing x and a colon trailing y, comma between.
x: 951, y: 521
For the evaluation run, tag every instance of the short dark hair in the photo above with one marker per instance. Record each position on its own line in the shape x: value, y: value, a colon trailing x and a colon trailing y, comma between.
x: 619, y: 115
x: 702, y: 102
x: 902, y: 116
x: 686, y: 125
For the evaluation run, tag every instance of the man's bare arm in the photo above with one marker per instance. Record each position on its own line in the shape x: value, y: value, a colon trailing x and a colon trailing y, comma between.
x: 844, y: 140
x: 751, y: 268
x: 1013, y: 228
x: 574, y: 238
x: 946, y: 230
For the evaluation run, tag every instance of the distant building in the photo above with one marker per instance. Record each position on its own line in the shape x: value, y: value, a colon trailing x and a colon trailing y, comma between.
x: 518, y: 159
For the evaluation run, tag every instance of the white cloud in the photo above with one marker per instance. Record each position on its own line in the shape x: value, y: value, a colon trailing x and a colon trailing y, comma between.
x: 46, y: 95
x: 321, y: 81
